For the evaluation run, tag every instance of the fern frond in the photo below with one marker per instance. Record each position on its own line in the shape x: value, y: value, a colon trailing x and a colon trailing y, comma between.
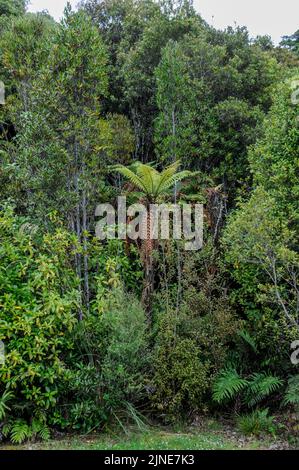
x: 6, y: 429
x: 44, y: 433
x: 6, y: 397
x: 169, y: 172
x: 174, y: 179
x: 248, y: 339
x: 260, y: 386
x: 292, y: 393
x: 40, y: 428
x: 20, y: 431
x: 149, y: 176
x: 131, y: 176
x: 228, y: 385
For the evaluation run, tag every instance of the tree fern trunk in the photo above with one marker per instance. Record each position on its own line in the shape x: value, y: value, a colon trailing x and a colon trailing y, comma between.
x: 148, y: 288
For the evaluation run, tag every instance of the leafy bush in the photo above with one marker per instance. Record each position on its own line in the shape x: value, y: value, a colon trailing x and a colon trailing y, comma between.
x: 257, y: 423
x: 180, y: 377
x: 38, y: 300
x: 194, y: 334
x: 261, y: 236
x: 107, y: 367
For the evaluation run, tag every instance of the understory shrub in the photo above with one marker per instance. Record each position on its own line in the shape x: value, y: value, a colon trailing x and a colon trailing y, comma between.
x: 194, y: 334
x: 180, y: 376
x: 107, y: 368
x: 38, y: 303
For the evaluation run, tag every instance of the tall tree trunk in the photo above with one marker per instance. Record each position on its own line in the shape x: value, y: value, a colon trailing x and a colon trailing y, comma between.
x: 85, y: 247
x: 78, y: 228
x: 179, y: 268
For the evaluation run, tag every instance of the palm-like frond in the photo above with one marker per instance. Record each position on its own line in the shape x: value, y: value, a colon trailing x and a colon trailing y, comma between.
x: 169, y: 172
x: 173, y: 179
x: 149, y: 176
x: 149, y: 180
x: 171, y: 169
x: 131, y: 176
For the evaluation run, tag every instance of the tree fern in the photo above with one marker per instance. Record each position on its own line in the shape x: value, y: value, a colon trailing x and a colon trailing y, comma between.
x: 228, y: 385
x: 152, y: 182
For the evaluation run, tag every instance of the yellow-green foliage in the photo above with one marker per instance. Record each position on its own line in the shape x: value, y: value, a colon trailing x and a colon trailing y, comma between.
x: 37, y: 308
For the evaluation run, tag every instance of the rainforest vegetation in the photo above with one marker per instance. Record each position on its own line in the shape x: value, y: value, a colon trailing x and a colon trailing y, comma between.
x: 143, y: 98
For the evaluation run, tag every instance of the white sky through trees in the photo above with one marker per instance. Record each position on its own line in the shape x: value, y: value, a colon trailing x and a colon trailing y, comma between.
x: 273, y: 17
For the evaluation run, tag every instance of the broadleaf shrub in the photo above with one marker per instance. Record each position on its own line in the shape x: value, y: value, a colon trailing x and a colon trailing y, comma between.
x: 38, y: 301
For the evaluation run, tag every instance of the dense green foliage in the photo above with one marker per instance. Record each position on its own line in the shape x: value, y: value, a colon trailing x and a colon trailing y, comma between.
x: 112, y: 101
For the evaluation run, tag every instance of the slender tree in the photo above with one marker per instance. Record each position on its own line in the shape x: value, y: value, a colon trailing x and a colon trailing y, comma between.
x: 59, y: 158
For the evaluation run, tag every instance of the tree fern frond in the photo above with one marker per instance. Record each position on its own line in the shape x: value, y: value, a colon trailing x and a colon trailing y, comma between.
x: 148, y: 175
x: 174, y: 179
x: 169, y: 172
x: 149, y: 180
x: 131, y: 176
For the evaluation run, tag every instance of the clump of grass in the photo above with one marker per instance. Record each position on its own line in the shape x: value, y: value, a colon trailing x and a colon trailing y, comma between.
x: 256, y: 423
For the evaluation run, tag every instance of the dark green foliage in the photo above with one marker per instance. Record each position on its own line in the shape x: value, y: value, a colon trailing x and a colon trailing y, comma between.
x: 12, y: 7
x: 5, y: 399
x: 19, y: 430
x: 262, y: 235
x: 292, y: 392
x: 180, y: 376
x: 291, y: 42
